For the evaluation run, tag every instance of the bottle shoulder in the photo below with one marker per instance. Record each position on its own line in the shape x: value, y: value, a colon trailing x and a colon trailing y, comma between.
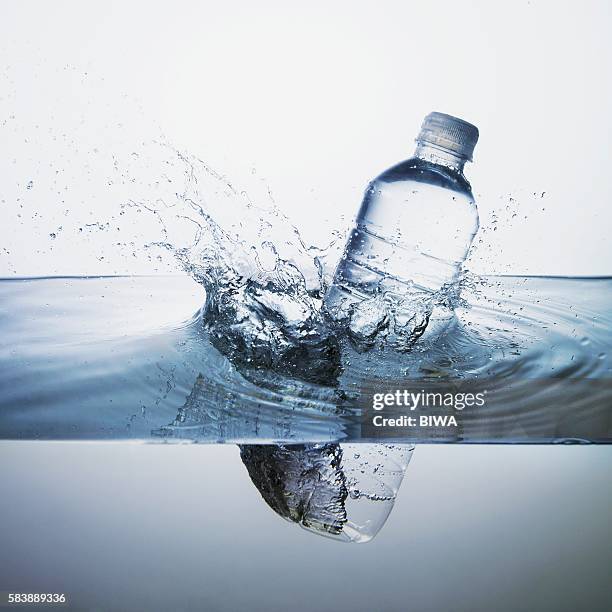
x: 421, y: 171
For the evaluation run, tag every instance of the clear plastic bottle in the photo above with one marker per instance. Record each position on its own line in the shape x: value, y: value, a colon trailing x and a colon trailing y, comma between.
x: 411, y: 236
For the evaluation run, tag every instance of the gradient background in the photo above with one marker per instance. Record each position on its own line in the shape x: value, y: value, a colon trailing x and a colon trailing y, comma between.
x: 152, y: 527
x: 310, y: 101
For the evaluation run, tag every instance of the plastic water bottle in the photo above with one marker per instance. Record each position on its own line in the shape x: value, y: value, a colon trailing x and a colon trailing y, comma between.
x: 411, y: 236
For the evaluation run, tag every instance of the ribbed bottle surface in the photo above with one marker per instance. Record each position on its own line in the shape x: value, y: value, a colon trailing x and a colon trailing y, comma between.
x: 412, y: 233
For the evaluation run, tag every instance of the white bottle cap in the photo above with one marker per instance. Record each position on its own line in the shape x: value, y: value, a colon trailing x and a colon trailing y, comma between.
x: 449, y: 133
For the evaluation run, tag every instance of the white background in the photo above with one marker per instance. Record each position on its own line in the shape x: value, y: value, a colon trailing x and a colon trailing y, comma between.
x: 315, y: 98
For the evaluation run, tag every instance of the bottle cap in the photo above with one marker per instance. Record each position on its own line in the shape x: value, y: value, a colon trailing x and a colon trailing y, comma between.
x: 450, y: 133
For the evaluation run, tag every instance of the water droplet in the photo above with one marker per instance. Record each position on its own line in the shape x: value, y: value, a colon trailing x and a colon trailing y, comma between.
x: 30, y: 184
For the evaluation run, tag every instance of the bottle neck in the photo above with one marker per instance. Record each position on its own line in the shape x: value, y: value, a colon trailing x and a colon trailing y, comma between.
x: 439, y: 156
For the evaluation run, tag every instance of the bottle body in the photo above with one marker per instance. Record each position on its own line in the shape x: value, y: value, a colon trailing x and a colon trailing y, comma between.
x: 411, y: 235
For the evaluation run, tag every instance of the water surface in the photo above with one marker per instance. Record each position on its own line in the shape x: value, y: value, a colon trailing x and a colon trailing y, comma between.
x: 132, y: 358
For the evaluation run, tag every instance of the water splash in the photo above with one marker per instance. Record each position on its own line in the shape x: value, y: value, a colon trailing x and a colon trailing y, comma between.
x: 264, y: 285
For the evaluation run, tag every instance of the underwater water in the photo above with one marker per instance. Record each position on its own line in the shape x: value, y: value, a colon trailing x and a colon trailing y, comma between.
x: 474, y: 528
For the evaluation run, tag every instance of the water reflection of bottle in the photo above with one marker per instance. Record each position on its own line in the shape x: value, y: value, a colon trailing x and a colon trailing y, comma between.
x: 413, y: 231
